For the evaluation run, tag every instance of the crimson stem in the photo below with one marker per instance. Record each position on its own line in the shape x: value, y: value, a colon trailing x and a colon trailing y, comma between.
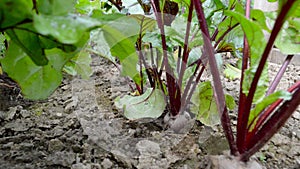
x: 242, y: 128
x: 219, y: 94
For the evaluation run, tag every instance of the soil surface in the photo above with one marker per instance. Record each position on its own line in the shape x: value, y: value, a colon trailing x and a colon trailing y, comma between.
x: 78, y: 127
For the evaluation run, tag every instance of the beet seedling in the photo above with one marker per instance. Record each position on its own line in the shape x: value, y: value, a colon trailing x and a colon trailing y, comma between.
x: 255, y: 125
x: 261, y: 110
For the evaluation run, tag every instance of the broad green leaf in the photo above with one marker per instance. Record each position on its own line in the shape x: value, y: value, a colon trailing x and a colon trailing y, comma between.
x: 230, y: 103
x: 253, y: 33
x: 14, y: 12
x: 2, y: 45
x: 49, y: 43
x: 129, y: 66
x: 204, y: 105
x: 232, y: 72
x: 30, y: 43
x: 70, y: 68
x: 225, y: 25
x: 66, y: 29
x: 87, y: 6
x: 262, y: 85
x: 268, y: 100
x: 257, y: 44
x: 288, y: 39
x: 55, y: 7
x: 234, y: 38
x: 146, y: 23
x: 121, y: 35
x: 100, y: 47
x: 80, y: 64
x: 37, y: 82
x: 194, y: 55
x: 149, y: 105
x: 106, y: 18
x: 176, y: 33
x: 260, y: 18
x: 213, y: 13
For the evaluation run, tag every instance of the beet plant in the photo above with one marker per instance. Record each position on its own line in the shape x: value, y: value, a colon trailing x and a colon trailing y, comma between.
x: 42, y: 40
x: 261, y: 109
x: 258, y: 118
x: 165, y: 52
x: 172, y: 75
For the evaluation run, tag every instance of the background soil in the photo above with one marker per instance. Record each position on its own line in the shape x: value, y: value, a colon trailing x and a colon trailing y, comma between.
x: 78, y: 127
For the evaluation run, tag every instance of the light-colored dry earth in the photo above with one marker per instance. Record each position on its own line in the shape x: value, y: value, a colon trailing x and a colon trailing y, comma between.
x: 79, y: 128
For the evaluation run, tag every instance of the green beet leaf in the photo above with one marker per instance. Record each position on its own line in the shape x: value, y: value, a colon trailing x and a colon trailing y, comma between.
x: 66, y: 29
x: 37, y: 82
x: 87, y: 6
x: 55, y: 7
x: 204, y: 105
x: 268, y: 100
x: 149, y: 105
x: 14, y: 12
x: 31, y: 45
x: 260, y: 18
x: 49, y: 43
x: 80, y: 64
x: 100, y: 48
x: 232, y: 72
x: 146, y: 23
x: 257, y: 42
x: 121, y: 35
x: 176, y: 33
x: 186, y: 2
x: 230, y: 102
x: 288, y: 39
x: 254, y: 34
x: 262, y: 85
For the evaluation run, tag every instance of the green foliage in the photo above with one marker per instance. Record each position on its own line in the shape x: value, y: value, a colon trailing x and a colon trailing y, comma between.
x: 230, y: 102
x: 175, y: 33
x: 30, y: 43
x: 205, y: 106
x: 2, y: 45
x: 54, y: 7
x: 232, y: 72
x: 259, y: 17
x: 146, y: 24
x: 149, y: 105
x: 67, y: 29
x: 100, y: 48
x: 14, y: 12
x: 253, y: 33
x: 41, y: 41
x: 268, y: 100
x: 37, y: 82
x: 289, y: 38
x: 50, y: 36
x: 256, y: 42
x: 87, y: 6
x: 121, y: 35
x: 80, y: 64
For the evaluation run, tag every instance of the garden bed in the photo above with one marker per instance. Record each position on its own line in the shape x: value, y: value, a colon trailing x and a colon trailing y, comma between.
x: 78, y: 127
